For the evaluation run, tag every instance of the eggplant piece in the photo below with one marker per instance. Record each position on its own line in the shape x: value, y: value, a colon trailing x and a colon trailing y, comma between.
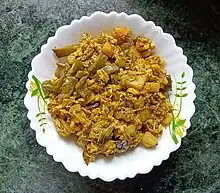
x: 65, y: 51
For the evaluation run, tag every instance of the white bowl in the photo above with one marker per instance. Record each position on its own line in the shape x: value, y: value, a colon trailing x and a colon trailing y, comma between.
x: 139, y: 160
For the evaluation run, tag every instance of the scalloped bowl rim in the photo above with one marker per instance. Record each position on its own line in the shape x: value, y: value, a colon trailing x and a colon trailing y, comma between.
x: 129, y: 173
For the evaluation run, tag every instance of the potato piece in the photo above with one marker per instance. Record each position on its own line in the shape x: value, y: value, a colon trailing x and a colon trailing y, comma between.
x: 65, y: 51
x: 131, y: 130
x: 120, y: 62
x: 107, y: 49
x: 152, y: 86
x: 144, y: 114
x: 149, y: 140
x: 168, y: 118
x: 138, y: 83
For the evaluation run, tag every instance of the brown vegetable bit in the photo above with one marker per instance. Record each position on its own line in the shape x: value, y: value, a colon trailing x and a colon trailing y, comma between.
x: 122, y: 146
x: 169, y: 85
x: 95, y: 105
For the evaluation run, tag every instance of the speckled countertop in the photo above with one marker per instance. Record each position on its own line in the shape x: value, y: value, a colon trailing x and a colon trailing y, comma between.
x: 25, y: 167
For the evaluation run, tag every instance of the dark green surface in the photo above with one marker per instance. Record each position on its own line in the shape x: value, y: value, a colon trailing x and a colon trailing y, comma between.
x: 25, y: 167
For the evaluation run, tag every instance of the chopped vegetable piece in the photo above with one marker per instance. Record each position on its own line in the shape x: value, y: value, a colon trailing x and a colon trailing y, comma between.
x: 65, y: 51
x: 100, y: 62
x: 152, y: 86
x: 111, y: 69
x: 77, y: 65
x: 69, y: 85
x: 107, y: 49
x: 137, y: 83
x: 80, y: 74
x: 149, y: 140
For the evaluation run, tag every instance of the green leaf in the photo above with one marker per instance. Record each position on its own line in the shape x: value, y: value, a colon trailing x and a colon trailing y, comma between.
x: 42, y: 113
x: 43, y: 124
x: 35, y: 92
x: 181, y: 88
x: 180, y: 122
x: 181, y: 82
x: 38, y: 83
x: 183, y: 74
x: 177, y: 95
x: 42, y: 119
x: 184, y: 95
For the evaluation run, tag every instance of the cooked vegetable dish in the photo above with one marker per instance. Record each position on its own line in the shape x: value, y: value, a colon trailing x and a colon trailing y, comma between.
x: 111, y: 92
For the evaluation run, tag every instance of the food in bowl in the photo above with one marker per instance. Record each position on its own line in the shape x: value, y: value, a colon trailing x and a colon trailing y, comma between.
x: 111, y: 92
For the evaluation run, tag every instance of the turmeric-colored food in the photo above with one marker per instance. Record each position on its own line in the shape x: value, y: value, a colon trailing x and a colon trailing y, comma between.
x: 111, y: 93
